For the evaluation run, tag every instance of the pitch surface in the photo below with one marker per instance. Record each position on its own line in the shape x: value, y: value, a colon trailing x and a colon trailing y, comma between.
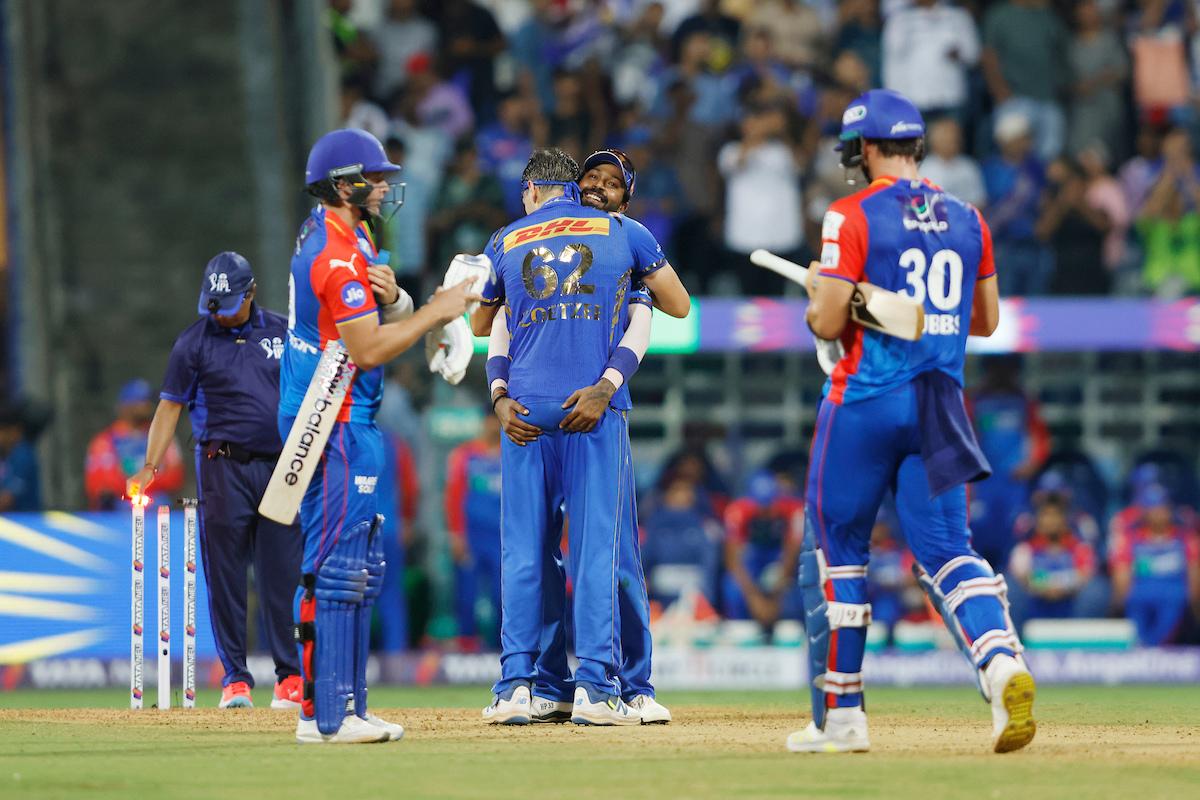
x: 1139, y: 742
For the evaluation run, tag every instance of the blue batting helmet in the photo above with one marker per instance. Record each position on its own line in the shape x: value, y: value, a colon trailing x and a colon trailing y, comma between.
x: 344, y: 153
x: 881, y: 114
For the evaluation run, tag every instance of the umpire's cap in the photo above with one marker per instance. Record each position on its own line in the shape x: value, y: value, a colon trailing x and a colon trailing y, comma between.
x: 227, y: 278
x: 881, y: 114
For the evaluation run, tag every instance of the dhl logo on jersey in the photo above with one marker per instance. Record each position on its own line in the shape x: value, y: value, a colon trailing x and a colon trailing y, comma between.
x: 565, y: 226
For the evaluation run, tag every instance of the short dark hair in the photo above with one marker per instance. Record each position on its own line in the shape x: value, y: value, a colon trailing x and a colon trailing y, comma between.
x: 550, y: 164
x: 901, y: 148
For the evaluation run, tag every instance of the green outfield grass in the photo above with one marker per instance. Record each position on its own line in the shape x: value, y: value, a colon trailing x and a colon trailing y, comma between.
x: 1133, y: 743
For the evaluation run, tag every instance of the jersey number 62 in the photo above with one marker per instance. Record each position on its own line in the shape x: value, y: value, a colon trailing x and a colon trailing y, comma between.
x: 546, y: 257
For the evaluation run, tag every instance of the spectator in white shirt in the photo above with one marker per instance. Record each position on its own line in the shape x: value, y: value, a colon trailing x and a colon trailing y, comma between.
x: 927, y: 50
x: 762, y: 197
x: 947, y: 167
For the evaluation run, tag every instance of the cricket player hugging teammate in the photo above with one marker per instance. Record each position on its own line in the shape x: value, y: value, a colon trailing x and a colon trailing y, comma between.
x: 346, y: 318
x: 892, y: 415
x: 564, y: 273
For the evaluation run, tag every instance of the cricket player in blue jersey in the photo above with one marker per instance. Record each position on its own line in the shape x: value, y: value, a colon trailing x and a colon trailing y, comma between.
x: 892, y: 416
x: 564, y: 274
x: 608, y: 182
x: 341, y: 289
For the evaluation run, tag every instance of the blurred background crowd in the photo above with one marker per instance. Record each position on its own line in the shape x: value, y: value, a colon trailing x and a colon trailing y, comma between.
x: 1071, y: 125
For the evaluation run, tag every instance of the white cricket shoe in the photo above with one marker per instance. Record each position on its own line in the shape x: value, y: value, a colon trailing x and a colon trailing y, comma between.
x: 547, y: 710
x: 596, y: 708
x: 1012, y: 689
x: 650, y: 710
x: 395, y: 732
x: 513, y: 707
x: 354, y: 730
x: 845, y: 732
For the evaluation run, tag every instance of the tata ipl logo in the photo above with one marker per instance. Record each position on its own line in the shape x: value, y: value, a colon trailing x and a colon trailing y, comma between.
x: 926, y: 213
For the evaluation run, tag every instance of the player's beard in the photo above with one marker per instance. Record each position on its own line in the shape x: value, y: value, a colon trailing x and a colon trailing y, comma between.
x: 596, y: 199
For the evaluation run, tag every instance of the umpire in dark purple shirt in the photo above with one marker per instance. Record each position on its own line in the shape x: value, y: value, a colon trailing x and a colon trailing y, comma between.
x: 225, y: 368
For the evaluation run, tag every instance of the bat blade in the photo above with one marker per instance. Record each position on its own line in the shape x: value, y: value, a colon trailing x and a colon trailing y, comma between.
x: 888, y: 312
x: 310, y: 432
x: 878, y: 309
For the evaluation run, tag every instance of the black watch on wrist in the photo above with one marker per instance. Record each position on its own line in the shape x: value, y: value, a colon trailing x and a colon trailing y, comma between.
x: 497, y: 398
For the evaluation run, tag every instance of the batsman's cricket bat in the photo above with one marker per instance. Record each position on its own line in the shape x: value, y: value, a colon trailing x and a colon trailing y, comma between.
x: 878, y: 309
x: 306, y: 441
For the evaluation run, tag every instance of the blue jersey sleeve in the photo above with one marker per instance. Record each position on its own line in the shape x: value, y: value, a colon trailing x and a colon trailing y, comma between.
x: 493, y: 290
x: 647, y: 252
x: 179, y: 384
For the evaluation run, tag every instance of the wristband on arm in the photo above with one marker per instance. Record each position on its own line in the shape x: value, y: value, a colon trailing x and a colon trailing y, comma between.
x: 499, y: 361
x: 497, y: 372
x: 632, y: 347
x: 621, y: 366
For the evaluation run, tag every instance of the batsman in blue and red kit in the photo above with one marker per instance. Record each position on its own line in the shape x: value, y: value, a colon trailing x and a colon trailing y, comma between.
x: 336, y: 273
x: 564, y: 274
x: 892, y: 417
x: 329, y: 286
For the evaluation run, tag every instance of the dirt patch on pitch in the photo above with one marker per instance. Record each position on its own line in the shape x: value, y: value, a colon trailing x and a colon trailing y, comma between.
x: 696, y: 729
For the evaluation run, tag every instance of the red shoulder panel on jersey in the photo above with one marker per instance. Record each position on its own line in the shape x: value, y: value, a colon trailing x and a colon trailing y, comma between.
x: 987, y: 264
x: 845, y: 235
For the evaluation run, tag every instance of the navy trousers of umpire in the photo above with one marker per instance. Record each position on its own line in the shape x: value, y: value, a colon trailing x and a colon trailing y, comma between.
x: 233, y: 536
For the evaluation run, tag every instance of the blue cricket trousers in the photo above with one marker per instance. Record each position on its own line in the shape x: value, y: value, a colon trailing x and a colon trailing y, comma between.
x: 860, y: 450
x: 589, y: 473
x: 553, y: 676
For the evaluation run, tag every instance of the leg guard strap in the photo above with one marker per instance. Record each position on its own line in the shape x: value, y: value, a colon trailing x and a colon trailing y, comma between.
x: 840, y: 682
x: 848, y: 615
x: 976, y: 587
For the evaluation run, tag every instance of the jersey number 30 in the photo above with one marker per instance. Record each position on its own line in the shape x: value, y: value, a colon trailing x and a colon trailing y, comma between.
x: 546, y: 257
x: 943, y: 282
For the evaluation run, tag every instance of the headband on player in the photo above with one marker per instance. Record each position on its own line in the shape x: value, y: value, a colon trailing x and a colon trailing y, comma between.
x: 570, y: 190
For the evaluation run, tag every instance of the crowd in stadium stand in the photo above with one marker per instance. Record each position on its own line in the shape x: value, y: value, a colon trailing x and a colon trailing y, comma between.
x: 1070, y: 124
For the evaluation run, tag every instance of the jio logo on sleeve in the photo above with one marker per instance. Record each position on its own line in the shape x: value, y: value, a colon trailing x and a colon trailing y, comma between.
x: 353, y: 294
